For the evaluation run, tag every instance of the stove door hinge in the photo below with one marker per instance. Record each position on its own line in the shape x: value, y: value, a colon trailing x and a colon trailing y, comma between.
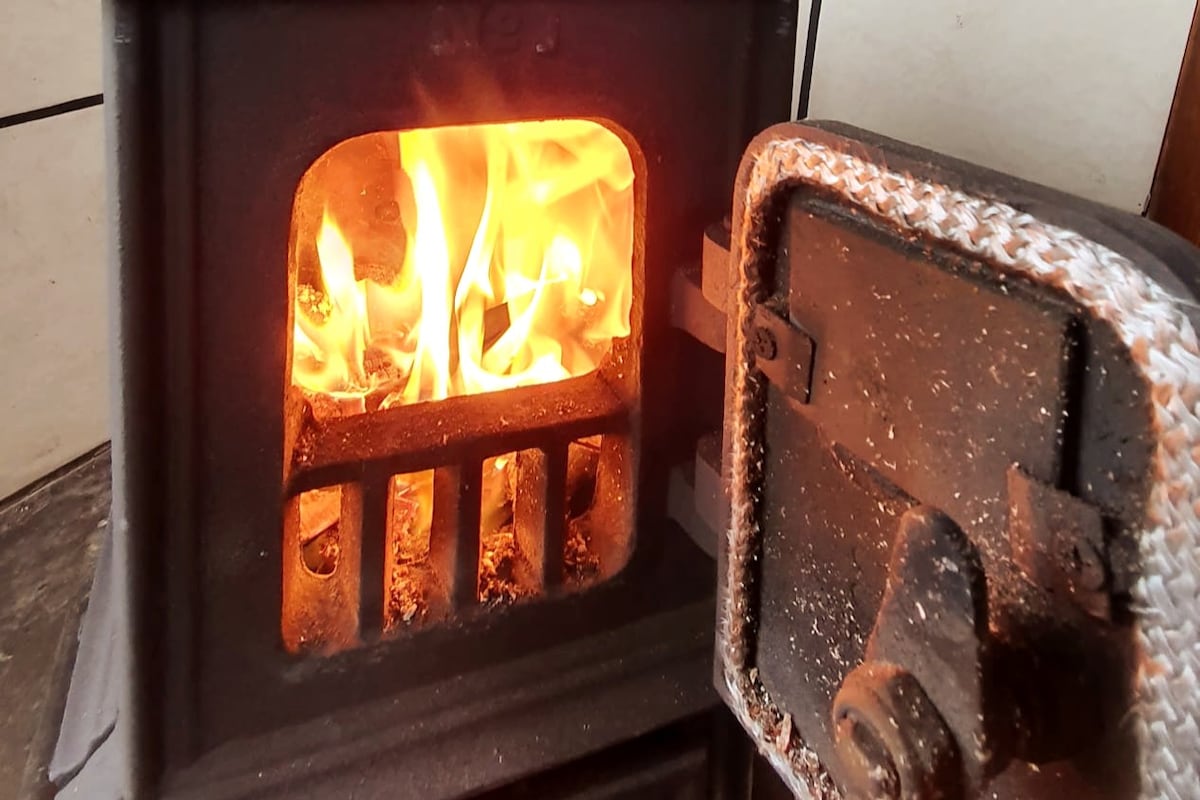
x: 699, y: 291
x: 699, y: 295
x: 783, y: 354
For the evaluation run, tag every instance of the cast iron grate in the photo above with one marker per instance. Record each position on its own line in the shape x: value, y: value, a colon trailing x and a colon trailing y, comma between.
x: 454, y: 438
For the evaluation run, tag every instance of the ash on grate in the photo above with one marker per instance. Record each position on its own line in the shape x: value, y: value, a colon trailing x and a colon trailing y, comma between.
x: 505, y: 574
x: 500, y: 564
x: 413, y: 580
x: 580, y: 563
x: 408, y: 596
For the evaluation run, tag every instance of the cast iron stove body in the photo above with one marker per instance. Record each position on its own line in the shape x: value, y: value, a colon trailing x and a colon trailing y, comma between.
x: 218, y: 110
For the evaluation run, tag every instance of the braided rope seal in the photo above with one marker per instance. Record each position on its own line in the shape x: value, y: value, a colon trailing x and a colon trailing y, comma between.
x: 1163, y: 346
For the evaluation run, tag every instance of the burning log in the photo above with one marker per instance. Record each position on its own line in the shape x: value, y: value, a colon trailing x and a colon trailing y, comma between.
x: 532, y: 285
x: 359, y: 189
x: 325, y: 407
x: 320, y: 529
x: 320, y: 510
x: 496, y: 321
x: 321, y: 553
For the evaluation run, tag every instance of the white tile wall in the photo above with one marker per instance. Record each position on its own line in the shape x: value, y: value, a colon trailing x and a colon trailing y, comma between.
x: 49, y: 52
x: 1070, y: 93
x: 53, y: 295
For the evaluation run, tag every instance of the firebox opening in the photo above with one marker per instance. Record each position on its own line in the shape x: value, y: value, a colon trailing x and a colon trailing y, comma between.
x: 428, y: 266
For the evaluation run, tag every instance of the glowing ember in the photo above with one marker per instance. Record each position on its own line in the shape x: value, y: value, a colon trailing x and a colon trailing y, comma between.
x: 516, y: 246
x: 411, y: 578
x: 504, y: 571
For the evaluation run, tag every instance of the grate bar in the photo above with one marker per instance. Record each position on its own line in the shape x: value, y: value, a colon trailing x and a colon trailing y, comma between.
x: 454, y: 539
x: 540, y: 512
x: 459, y: 429
x: 374, y: 508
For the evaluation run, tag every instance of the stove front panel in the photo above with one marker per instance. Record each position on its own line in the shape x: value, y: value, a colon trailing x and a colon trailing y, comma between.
x: 228, y: 105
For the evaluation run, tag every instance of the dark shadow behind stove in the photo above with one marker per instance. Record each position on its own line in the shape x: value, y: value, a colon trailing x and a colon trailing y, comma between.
x: 215, y: 110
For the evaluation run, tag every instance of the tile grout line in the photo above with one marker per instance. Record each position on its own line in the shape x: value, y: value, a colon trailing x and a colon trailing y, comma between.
x: 78, y: 104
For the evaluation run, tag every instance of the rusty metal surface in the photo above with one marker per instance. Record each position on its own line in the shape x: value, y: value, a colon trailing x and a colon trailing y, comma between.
x: 928, y: 381
x: 910, y: 720
x: 783, y: 353
x: 1058, y: 541
x: 411, y: 438
x: 932, y: 376
x: 948, y: 697
x: 891, y: 739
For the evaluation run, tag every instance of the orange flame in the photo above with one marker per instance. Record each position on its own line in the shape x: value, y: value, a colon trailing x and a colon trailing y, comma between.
x: 516, y: 268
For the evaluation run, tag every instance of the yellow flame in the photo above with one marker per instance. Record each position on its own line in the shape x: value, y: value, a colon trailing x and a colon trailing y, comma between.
x: 517, y: 267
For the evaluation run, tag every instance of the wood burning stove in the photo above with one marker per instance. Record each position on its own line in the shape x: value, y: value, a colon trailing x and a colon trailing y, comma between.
x: 398, y: 610
x: 424, y: 314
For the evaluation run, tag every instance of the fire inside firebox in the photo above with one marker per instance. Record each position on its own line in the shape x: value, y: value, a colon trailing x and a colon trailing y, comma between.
x: 440, y: 263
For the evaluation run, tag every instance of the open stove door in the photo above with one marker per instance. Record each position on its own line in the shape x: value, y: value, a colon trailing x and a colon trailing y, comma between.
x: 959, y: 480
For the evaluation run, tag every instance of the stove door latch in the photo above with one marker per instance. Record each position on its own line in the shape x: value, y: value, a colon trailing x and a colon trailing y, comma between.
x: 968, y: 669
